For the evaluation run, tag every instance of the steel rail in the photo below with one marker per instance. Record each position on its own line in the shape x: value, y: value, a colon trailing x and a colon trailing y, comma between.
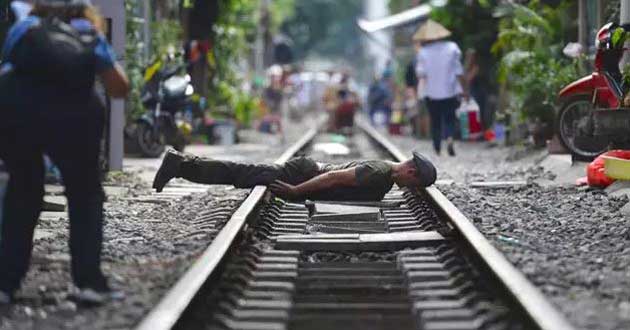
x: 166, y: 314
x: 533, y: 302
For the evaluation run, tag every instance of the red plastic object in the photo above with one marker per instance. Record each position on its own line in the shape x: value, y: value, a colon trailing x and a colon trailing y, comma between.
x: 474, y: 126
x: 489, y: 135
x: 595, y: 172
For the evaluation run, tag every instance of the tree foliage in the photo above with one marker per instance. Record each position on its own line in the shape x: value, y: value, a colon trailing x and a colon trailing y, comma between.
x: 164, y: 34
x: 530, y: 42
x: 232, y: 37
x: 473, y: 27
x: 325, y: 27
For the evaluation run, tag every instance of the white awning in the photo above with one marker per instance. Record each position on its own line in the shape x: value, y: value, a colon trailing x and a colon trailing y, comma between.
x: 403, y: 18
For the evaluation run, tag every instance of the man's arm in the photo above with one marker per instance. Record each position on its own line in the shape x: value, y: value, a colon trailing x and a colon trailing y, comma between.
x: 322, y: 182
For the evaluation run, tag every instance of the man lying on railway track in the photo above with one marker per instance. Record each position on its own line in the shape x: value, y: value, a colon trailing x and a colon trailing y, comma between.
x: 302, y: 177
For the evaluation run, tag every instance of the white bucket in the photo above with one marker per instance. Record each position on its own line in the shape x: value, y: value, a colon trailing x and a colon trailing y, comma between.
x: 225, y: 133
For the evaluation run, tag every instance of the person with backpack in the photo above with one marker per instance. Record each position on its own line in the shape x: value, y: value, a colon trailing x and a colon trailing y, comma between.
x: 48, y: 105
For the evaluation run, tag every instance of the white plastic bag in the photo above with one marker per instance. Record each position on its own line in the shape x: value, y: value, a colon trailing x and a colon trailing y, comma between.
x: 469, y: 116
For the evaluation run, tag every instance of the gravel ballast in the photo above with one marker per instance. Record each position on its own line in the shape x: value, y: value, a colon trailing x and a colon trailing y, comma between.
x: 572, y: 242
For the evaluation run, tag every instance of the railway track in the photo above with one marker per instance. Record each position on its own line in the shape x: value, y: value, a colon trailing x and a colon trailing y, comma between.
x: 411, y: 261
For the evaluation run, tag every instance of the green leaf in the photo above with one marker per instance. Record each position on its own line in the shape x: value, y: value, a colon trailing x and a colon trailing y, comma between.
x: 618, y: 37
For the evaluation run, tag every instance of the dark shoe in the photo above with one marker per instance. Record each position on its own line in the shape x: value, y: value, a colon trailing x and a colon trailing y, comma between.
x: 91, y: 297
x: 168, y: 169
x: 451, y: 150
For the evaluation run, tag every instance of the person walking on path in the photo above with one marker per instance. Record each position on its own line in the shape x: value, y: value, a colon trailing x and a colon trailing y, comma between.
x: 475, y: 82
x: 441, y: 74
x: 380, y: 99
x: 302, y: 178
x: 50, y: 60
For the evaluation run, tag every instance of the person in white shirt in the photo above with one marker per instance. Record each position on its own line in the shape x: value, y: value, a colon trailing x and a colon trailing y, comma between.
x: 441, y: 80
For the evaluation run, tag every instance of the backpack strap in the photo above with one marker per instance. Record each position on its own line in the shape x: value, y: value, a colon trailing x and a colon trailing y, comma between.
x: 16, y: 33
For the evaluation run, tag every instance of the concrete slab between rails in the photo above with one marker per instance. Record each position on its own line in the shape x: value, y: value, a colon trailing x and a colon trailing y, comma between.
x: 115, y: 191
x: 53, y: 216
x: 380, y: 205
x: 322, y: 208
x: 340, y: 217
x: 54, y: 189
x: 341, y: 230
x: 357, y: 242
x: 54, y: 203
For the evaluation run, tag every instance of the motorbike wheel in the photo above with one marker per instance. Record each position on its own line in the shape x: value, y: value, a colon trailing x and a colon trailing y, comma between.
x: 575, y: 114
x: 150, y: 146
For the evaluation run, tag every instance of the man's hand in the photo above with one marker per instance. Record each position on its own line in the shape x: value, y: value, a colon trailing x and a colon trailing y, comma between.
x: 284, y: 190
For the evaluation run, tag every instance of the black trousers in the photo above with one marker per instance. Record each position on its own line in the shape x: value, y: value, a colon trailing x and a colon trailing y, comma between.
x: 73, y: 143
x: 442, y: 113
x: 241, y: 175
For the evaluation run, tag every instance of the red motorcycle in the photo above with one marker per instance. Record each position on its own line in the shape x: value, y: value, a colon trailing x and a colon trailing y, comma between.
x: 587, y: 123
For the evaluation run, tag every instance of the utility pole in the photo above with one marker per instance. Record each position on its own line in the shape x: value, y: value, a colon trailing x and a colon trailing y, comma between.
x: 624, y: 12
x: 114, y: 13
x: 379, y: 45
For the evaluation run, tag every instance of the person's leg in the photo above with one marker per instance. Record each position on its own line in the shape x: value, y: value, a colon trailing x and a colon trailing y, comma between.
x: 436, y: 124
x: 22, y: 205
x: 241, y: 175
x: 81, y: 175
x: 449, y: 108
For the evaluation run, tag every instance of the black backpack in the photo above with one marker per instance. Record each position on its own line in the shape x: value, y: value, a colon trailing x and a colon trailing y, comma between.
x: 54, y: 53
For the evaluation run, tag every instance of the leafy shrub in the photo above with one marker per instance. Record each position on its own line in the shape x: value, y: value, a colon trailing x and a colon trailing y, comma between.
x: 532, y: 65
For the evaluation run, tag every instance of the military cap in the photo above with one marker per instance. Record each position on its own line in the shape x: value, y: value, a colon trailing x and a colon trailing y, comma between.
x: 425, y: 170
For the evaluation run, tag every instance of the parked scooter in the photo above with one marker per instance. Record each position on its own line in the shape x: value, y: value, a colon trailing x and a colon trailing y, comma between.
x: 583, y: 122
x: 166, y: 95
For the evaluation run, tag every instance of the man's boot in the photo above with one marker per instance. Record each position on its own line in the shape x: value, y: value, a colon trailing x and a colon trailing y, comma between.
x: 169, y: 169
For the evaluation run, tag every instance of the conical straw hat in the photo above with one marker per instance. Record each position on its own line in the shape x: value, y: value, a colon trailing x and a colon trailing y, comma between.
x: 431, y: 30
